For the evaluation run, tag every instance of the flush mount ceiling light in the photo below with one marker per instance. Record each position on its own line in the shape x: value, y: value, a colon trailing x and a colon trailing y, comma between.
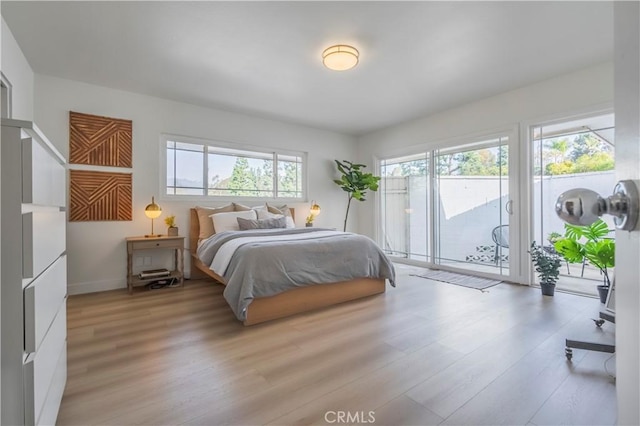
x: 340, y: 57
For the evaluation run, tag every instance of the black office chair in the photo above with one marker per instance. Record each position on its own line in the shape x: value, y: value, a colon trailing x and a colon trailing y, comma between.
x: 500, y: 236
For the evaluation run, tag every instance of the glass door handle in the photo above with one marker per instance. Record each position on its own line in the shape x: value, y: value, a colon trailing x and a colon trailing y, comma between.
x: 583, y: 206
x: 509, y: 207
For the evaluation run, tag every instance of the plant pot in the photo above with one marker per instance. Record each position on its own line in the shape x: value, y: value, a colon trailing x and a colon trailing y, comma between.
x: 173, y: 231
x: 547, y: 289
x: 308, y: 225
x: 603, y: 291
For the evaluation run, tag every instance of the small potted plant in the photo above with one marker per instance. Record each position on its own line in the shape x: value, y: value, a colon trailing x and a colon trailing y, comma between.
x: 553, y: 237
x: 309, y: 220
x: 547, y: 266
x: 590, y: 243
x: 170, y: 221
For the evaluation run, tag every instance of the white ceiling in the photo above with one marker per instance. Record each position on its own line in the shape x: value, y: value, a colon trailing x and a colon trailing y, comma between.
x: 263, y: 58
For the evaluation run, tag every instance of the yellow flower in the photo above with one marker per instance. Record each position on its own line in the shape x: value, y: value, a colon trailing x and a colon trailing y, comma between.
x: 170, y: 221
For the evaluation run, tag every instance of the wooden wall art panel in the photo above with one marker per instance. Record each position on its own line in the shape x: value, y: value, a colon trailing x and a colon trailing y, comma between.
x: 100, y: 196
x: 100, y: 141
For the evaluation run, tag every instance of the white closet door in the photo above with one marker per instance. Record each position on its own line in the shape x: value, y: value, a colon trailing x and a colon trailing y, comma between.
x: 42, y: 301
x: 44, y: 237
x: 40, y: 369
x: 43, y: 177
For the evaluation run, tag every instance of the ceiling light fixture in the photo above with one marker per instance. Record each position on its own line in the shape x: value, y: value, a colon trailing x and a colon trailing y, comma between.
x: 340, y: 57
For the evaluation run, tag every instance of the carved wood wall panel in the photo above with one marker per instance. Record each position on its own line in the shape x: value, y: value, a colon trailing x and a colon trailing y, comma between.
x: 100, y: 196
x: 100, y: 141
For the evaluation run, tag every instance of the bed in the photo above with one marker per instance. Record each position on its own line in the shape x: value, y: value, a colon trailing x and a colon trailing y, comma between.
x: 291, y: 301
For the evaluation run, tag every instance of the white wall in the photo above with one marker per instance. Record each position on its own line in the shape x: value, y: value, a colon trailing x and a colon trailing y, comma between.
x: 627, y: 108
x: 566, y: 94
x: 17, y: 70
x: 97, y: 254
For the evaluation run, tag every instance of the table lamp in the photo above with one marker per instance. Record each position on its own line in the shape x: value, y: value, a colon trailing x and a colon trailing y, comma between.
x: 152, y: 211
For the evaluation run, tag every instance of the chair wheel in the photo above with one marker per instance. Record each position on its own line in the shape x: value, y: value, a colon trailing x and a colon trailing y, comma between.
x: 598, y: 322
x: 568, y: 352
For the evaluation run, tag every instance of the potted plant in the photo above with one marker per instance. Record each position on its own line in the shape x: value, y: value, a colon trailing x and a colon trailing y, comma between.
x: 588, y: 243
x: 553, y: 237
x: 355, y: 182
x: 309, y: 220
x: 547, y: 266
x: 170, y: 221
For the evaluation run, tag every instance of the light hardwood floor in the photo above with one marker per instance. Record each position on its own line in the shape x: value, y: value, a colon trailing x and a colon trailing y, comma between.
x: 422, y: 353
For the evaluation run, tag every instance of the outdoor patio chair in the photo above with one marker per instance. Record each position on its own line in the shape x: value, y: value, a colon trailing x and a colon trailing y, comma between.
x: 500, y: 236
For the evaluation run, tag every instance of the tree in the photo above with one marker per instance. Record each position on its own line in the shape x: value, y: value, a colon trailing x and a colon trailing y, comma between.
x: 242, y: 178
x: 414, y: 168
x: 289, y: 179
x: 558, y: 150
x: 597, y: 162
x: 586, y: 144
x: 448, y: 164
x: 564, y: 168
x: 502, y: 162
x: 355, y: 183
x: 585, y: 153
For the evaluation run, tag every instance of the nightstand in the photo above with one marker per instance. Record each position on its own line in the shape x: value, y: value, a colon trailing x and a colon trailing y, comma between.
x: 155, y: 243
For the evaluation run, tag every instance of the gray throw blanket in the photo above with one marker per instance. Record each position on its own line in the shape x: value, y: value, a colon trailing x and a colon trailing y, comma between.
x: 265, y: 268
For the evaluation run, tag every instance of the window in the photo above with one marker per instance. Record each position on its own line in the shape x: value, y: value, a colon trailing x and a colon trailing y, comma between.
x: 203, y: 168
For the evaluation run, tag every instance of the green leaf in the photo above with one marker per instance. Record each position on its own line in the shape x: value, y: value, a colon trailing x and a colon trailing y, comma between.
x: 355, y: 182
x: 596, y: 231
x: 573, y: 232
x: 570, y: 249
x: 601, y: 253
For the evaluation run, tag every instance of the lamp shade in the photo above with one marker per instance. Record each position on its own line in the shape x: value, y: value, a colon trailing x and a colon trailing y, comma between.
x: 340, y: 57
x: 152, y: 210
x: 315, y: 209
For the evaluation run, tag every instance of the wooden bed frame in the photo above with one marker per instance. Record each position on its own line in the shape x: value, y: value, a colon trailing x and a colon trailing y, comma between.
x: 291, y: 302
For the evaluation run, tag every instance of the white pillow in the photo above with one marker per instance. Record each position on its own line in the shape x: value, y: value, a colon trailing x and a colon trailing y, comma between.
x: 284, y: 210
x: 229, y: 221
x: 265, y: 214
x: 261, y: 210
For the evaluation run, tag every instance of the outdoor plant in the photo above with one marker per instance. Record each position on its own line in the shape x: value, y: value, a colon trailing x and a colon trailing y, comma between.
x: 355, y: 182
x: 547, y: 265
x: 553, y: 237
x: 589, y: 242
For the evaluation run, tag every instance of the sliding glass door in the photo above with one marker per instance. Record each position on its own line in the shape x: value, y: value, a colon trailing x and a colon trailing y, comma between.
x: 404, y: 215
x: 471, y: 207
x: 450, y: 207
x: 566, y: 155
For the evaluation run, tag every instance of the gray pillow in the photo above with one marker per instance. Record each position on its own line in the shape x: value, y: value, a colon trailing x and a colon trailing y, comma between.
x: 272, y: 223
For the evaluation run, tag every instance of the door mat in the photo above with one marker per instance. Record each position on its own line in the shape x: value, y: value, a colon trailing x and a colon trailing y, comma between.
x: 460, y: 279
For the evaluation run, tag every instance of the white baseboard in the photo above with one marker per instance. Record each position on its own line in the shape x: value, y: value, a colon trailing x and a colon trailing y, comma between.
x: 95, y: 286
x: 104, y: 285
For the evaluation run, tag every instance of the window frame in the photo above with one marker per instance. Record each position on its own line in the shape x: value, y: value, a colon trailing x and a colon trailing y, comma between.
x: 275, y: 152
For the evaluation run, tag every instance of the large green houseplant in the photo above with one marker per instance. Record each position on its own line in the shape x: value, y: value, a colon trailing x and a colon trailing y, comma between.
x: 589, y: 243
x: 547, y: 266
x: 355, y: 182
